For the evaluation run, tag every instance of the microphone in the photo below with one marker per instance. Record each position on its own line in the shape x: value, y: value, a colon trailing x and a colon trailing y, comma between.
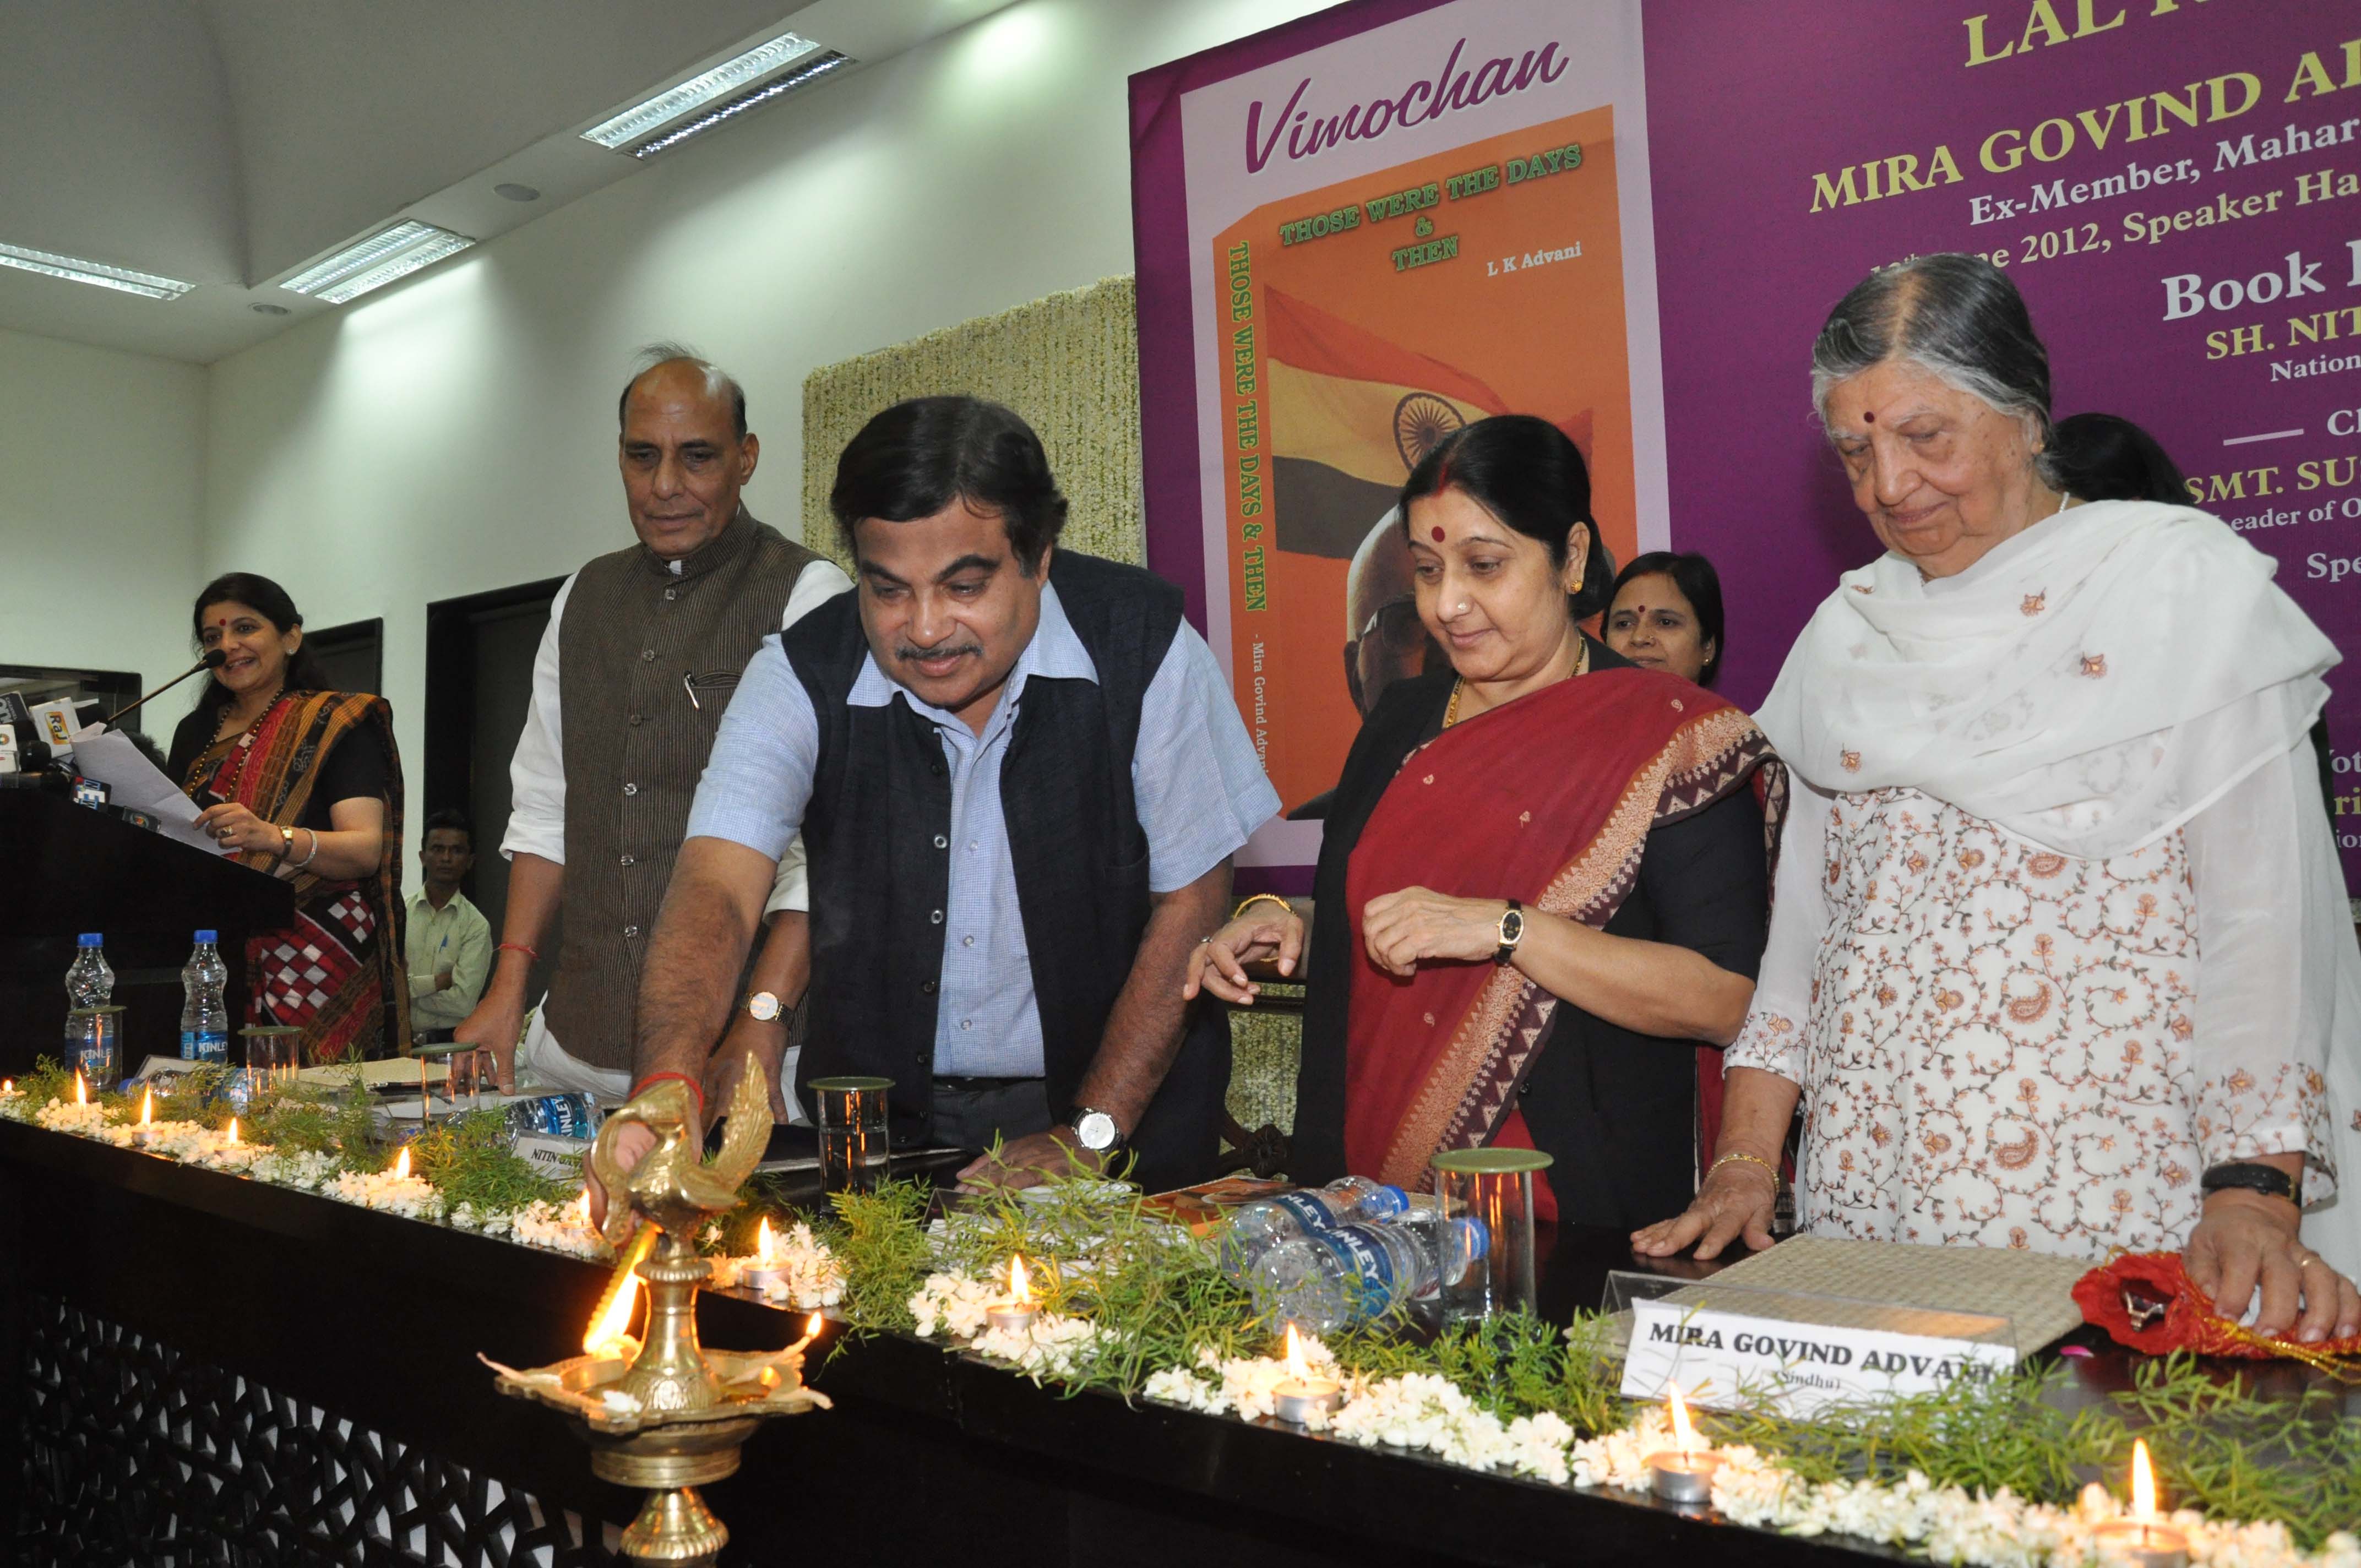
x: 214, y: 659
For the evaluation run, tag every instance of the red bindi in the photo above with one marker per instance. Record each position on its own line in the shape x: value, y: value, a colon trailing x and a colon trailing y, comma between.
x: 1867, y: 417
x: 1438, y: 534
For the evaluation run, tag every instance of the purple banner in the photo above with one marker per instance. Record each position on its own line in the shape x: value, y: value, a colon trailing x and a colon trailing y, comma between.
x: 2176, y: 188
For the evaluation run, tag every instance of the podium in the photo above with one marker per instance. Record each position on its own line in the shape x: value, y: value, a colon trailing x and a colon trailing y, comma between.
x: 72, y: 870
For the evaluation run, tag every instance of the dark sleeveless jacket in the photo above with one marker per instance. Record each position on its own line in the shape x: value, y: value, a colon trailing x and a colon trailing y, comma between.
x: 635, y: 746
x: 876, y: 833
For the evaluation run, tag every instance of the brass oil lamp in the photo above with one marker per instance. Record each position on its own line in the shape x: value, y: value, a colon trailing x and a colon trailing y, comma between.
x: 662, y: 1413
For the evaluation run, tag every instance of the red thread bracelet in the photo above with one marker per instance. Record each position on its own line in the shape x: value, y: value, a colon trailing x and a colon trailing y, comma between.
x: 533, y: 953
x: 694, y: 1087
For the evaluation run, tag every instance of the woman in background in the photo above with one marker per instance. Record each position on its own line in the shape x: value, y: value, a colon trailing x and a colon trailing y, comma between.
x: 1666, y: 614
x: 303, y: 784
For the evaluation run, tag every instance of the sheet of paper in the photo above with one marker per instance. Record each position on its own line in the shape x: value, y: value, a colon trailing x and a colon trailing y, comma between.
x: 133, y: 781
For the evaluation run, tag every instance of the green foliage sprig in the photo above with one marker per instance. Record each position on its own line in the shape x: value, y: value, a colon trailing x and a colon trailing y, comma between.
x: 468, y: 1160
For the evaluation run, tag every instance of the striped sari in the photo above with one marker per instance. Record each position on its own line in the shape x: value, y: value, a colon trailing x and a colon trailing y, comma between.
x: 337, y: 973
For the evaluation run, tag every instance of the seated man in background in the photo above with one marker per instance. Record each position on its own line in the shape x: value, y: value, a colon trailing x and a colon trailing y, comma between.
x: 1020, y: 777
x: 450, y: 942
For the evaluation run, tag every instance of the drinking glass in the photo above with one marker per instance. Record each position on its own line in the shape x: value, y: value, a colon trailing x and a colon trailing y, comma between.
x: 272, y: 1055
x: 1495, y: 1188
x: 853, y: 1153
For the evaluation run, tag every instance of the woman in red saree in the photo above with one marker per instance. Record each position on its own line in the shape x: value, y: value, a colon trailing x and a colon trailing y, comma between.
x: 304, y: 785
x: 1545, y: 877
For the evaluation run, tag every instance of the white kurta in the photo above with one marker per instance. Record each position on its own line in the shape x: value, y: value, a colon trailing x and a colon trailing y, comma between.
x: 2058, y: 917
x: 2001, y: 1045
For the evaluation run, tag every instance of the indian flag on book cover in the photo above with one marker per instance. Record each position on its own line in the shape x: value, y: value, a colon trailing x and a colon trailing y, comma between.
x: 1350, y: 414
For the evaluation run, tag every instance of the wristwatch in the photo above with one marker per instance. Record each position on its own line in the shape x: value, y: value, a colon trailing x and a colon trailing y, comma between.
x: 2252, y: 1175
x: 763, y: 1007
x: 1513, y: 931
x: 1096, y: 1130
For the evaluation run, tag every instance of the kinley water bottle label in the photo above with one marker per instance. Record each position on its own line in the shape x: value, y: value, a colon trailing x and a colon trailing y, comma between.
x: 1354, y: 1249
x: 1306, y: 1208
x: 203, y: 1045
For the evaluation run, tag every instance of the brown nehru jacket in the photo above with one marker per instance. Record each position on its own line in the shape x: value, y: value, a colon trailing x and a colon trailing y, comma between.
x: 636, y: 640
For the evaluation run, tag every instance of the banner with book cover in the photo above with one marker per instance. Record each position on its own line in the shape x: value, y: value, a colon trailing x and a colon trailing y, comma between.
x: 1360, y: 230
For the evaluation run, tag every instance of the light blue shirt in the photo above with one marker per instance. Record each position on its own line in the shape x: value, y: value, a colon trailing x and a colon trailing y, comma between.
x: 1196, y: 782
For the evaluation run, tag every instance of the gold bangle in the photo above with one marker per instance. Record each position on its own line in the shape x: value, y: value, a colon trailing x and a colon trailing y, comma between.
x: 1750, y: 1159
x: 1252, y: 899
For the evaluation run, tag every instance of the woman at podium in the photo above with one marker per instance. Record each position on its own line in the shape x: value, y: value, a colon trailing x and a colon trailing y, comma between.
x: 303, y: 784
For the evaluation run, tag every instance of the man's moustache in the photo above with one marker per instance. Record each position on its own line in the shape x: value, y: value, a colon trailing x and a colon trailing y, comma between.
x: 909, y: 654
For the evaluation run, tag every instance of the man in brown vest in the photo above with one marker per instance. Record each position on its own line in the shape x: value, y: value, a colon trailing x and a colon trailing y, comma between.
x: 643, y: 651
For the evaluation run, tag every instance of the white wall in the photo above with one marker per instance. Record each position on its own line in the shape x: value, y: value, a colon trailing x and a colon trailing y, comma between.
x: 103, y: 454
x: 456, y: 433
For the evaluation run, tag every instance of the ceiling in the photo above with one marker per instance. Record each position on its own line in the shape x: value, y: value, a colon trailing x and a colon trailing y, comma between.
x: 226, y: 142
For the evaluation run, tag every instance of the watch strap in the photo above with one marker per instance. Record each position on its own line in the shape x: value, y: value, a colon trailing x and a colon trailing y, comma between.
x: 2249, y: 1175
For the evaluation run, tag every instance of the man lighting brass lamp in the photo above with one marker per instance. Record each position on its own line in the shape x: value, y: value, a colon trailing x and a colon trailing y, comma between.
x: 1020, y: 777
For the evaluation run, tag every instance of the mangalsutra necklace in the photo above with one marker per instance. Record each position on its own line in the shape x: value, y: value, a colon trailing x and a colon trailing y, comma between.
x: 1451, y: 712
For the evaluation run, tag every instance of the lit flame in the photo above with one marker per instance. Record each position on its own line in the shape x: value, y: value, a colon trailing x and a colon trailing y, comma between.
x: 763, y: 1245
x: 233, y: 1131
x: 812, y: 1326
x: 614, y: 1324
x: 1017, y: 1292
x: 2143, y: 1484
x: 146, y: 1106
x: 1296, y: 1369
x: 1685, y: 1437
x: 401, y: 1164
x: 8, y: 1086
x: 81, y: 1095
x: 582, y: 1209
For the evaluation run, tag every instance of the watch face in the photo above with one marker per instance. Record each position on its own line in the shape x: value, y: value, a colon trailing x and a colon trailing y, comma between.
x: 763, y: 1006
x: 1512, y: 926
x: 1096, y: 1129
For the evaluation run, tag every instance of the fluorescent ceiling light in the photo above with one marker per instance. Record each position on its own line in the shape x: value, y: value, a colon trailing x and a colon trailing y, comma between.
x: 644, y: 118
x: 377, y: 261
x: 743, y: 101
x: 146, y: 284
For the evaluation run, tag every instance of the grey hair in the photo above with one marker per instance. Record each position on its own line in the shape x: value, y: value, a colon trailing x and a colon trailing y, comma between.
x: 1957, y: 317
x: 717, y: 380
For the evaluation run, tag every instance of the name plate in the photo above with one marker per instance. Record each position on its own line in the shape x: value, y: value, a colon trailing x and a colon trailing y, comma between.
x: 557, y: 1158
x: 1803, y: 1366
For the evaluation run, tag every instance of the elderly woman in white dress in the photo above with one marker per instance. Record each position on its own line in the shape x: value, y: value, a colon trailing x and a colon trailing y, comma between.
x: 2058, y: 955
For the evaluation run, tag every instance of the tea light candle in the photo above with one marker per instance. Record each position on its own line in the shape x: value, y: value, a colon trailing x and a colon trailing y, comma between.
x: 1682, y: 1473
x: 2140, y: 1540
x: 762, y: 1273
x: 146, y: 1130
x: 1016, y: 1315
x: 1303, y: 1396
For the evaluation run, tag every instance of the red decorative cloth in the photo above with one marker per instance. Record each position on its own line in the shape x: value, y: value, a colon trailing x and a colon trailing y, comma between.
x: 2147, y: 1301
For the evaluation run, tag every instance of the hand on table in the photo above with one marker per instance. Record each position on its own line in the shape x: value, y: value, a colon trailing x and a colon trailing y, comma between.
x: 1400, y: 929
x: 2249, y: 1239
x: 495, y: 1024
x: 1736, y: 1202
x: 1027, y: 1162
x: 1266, y: 932
x: 768, y: 1044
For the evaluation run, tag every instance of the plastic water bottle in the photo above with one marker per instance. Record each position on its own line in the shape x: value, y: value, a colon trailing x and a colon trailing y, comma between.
x: 1255, y: 1228
x: 1328, y: 1277
x: 89, y: 984
x: 204, y: 1015
x: 554, y: 1117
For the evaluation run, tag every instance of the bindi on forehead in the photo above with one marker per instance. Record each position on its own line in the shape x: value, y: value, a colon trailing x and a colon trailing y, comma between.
x: 1437, y: 531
